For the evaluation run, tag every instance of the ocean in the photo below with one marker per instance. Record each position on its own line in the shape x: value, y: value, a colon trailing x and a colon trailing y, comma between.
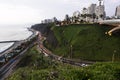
x: 11, y: 33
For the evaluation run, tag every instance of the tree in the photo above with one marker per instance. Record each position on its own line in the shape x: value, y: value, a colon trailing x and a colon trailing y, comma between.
x: 76, y: 16
x: 84, y: 15
x: 93, y: 16
x: 72, y: 19
x: 56, y: 22
x: 55, y: 19
x: 101, y: 16
x: 89, y: 15
x: 67, y: 18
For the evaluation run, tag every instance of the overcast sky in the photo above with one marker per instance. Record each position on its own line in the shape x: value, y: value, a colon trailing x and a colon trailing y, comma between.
x: 33, y: 11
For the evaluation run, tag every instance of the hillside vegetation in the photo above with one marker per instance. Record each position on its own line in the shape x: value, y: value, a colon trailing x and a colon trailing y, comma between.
x: 34, y: 66
x: 86, y: 42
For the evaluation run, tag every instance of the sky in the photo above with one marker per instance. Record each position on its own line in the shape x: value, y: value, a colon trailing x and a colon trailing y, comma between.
x: 33, y: 11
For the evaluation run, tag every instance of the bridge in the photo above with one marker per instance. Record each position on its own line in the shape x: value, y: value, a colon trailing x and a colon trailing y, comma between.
x: 114, y: 29
x: 115, y: 23
x: 8, y: 41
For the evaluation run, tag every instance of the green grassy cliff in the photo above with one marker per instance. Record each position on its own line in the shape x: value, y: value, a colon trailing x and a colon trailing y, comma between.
x: 87, y: 42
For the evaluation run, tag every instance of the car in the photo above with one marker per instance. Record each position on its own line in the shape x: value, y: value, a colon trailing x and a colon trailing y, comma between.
x: 83, y: 65
x: 2, y: 59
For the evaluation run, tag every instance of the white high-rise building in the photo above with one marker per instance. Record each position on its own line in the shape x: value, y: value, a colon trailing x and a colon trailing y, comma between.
x: 91, y: 9
x: 100, y: 11
x: 117, y: 13
x: 96, y: 12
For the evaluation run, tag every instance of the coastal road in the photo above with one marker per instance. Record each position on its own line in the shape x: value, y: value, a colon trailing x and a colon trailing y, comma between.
x: 48, y: 53
x: 8, y: 68
x: 16, y: 44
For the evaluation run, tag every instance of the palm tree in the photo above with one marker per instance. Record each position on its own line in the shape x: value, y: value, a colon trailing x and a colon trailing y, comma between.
x: 67, y: 18
x: 55, y: 19
x: 93, y: 16
x: 56, y: 22
x: 89, y: 15
x: 101, y: 16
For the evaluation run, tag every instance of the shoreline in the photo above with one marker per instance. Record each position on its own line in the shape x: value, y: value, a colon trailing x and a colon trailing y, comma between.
x: 15, y: 43
x: 8, y: 47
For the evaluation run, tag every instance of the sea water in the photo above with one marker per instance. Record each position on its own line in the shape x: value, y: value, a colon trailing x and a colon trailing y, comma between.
x: 13, y: 32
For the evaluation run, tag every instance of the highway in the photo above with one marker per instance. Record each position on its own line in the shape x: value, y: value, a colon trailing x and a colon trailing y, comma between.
x: 6, y: 70
x: 48, y: 53
x: 16, y: 44
x: 8, y: 67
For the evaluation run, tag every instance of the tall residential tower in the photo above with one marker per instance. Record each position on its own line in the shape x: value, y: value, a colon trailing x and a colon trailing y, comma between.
x: 100, y: 10
x: 117, y: 12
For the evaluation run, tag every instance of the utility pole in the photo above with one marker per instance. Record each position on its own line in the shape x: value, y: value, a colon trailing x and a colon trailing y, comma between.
x: 70, y: 51
x: 113, y: 57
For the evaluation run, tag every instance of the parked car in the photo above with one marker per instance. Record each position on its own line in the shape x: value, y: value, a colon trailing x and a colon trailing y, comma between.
x: 2, y: 59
